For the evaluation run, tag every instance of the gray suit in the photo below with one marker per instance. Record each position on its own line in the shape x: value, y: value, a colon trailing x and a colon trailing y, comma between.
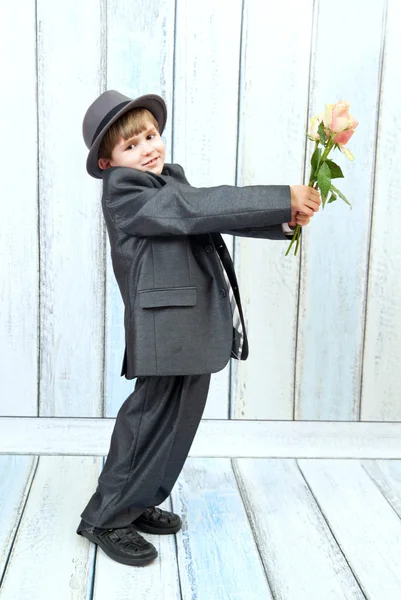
x: 164, y: 235
x: 165, y: 238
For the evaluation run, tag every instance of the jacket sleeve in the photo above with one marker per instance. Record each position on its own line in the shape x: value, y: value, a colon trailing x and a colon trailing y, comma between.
x: 271, y: 232
x: 143, y: 204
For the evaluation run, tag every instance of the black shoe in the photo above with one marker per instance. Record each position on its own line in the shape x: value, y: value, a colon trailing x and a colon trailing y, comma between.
x: 156, y: 520
x: 123, y: 544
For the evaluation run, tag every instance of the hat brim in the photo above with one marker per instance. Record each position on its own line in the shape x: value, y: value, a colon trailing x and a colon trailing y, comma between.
x: 155, y: 104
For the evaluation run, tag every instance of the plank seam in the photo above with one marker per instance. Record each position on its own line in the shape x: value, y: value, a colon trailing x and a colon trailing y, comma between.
x: 174, y: 76
x: 103, y: 79
x: 330, y: 529
x: 249, y: 514
x: 177, y: 553
x: 38, y: 326
x: 34, y: 468
x: 378, y: 487
x: 234, y: 251
x: 315, y: 11
x: 369, y: 243
x: 93, y: 574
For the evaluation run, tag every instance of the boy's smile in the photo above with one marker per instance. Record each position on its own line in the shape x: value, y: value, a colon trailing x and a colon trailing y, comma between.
x: 144, y: 151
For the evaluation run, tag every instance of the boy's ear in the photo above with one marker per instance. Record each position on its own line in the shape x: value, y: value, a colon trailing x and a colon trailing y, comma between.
x: 103, y: 163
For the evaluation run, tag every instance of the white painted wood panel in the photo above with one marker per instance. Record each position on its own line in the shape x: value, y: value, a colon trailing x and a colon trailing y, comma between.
x: 159, y: 579
x: 217, y: 555
x: 387, y: 477
x: 54, y: 251
x: 19, y: 213
x: 364, y: 524
x: 47, y: 535
x: 336, y: 244
x: 70, y: 73
x: 301, y: 557
x: 140, y: 52
x: 16, y: 474
x: 286, y: 439
x: 381, y: 385
x: 207, y: 54
x: 273, y: 112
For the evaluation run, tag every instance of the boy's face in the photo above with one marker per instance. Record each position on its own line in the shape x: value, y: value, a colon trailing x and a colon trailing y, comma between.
x: 145, y: 152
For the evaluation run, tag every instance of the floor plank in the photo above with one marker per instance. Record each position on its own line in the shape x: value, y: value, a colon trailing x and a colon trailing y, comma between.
x: 387, y: 476
x: 363, y: 522
x: 217, y: 555
x: 48, y: 560
x: 158, y: 580
x: 301, y: 557
x: 16, y: 474
x: 252, y: 529
x: 214, y: 438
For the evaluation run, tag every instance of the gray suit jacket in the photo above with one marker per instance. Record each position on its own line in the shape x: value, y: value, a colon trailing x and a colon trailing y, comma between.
x: 164, y: 235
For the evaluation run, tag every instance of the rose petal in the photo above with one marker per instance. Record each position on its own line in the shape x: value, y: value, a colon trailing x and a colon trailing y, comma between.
x: 328, y: 115
x: 339, y: 124
x: 347, y: 152
x: 343, y: 137
x: 341, y: 109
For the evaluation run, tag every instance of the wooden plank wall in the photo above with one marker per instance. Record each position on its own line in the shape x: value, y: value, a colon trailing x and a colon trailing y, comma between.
x: 241, y: 79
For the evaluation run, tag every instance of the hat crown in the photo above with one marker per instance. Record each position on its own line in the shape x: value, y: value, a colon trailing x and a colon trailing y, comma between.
x: 98, y: 110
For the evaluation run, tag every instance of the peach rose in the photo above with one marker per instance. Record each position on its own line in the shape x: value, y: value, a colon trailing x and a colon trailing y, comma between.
x: 339, y: 120
x: 314, y: 124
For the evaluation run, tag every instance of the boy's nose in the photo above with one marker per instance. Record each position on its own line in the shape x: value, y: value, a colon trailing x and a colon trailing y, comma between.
x: 147, y: 148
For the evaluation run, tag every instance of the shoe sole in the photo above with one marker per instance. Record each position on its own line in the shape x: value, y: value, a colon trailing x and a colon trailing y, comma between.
x: 156, y: 530
x: 134, y: 562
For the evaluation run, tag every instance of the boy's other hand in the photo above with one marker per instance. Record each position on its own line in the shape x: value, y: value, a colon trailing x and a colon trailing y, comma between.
x: 305, y: 201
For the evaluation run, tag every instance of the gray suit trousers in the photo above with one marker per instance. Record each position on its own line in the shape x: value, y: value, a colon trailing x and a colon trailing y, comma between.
x: 150, y: 442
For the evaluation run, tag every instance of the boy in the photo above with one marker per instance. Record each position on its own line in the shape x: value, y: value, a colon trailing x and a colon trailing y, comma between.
x: 183, y: 318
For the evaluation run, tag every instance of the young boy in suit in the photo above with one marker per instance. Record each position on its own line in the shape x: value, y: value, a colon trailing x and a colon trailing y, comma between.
x: 183, y: 317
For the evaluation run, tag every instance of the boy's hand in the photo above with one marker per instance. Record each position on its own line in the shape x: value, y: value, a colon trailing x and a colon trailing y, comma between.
x: 305, y: 201
x: 299, y: 219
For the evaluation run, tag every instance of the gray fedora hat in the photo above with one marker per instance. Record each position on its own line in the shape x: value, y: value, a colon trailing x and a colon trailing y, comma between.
x: 105, y: 111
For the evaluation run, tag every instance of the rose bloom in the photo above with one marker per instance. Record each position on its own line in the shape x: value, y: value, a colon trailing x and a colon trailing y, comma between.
x: 337, y: 119
x: 314, y: 124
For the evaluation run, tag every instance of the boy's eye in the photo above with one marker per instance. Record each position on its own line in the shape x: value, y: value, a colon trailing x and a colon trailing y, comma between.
x: 150, y: 136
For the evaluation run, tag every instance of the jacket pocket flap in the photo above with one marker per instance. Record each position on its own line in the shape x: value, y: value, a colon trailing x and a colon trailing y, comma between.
x: 183, y: 296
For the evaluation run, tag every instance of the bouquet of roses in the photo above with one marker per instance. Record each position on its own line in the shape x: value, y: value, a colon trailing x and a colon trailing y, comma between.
x: 331, y: 129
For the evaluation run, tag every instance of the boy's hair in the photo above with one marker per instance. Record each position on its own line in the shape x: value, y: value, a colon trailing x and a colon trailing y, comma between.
x: 131, y: 123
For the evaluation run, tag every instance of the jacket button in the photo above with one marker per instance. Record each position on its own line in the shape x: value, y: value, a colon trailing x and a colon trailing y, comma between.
x: 209, y: 248
x: 223, y: 293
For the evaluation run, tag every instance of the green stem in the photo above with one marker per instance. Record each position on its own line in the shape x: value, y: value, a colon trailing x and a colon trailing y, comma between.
x: 327, y: 150
x: 296, y: 238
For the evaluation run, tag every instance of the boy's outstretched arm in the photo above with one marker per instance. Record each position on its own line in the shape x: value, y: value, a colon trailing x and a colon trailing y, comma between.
x: 144, y: 204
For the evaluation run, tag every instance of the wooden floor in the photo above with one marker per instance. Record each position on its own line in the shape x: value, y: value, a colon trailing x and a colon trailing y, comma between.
x: 253, y: 529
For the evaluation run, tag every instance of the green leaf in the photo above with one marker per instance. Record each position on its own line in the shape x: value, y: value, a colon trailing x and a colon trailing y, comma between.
x: 332, y: 198
x: 335, y: 170
x: 322, y: 132
x: 324, y: 180
x: 334, y: 189
x: 316, y: 156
